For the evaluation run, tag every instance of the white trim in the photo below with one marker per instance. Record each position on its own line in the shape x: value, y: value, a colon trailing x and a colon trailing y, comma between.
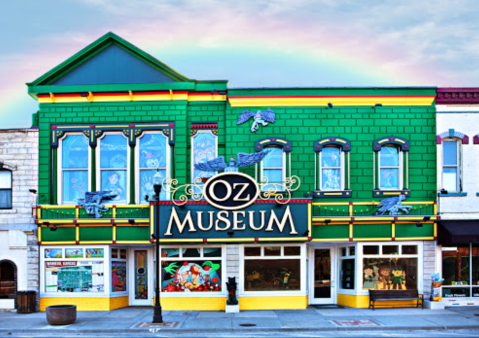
x: 60, y: 168
x: 106, y: 271
x: 192, y: 167
x: 400, y: 169
x: 334, y: 255
x: 342, y: 169
x: 137, y: 164
x: 151, y: 272
x: 303, y: 267
x: 99, y: 169
x: 283, y: 168
x: 458, y: 165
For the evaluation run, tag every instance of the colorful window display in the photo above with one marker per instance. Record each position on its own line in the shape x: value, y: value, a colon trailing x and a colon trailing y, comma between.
x: 141, y: 274
x: 53, y: 253
x: 331, y: 168
x: 460, y: 270
x: 74, y: 276
x: 153, y: 157
x: 272, y: 268
x: 273, y: 167
x: 74, y: 167
x: 94, y: 253
x: 204, y: 148
x: 390, y: 273
x: 74, y: 253
x: 196, y: 270
x: 118, y: 276
x: 389, y: 170
x: 113, y: 165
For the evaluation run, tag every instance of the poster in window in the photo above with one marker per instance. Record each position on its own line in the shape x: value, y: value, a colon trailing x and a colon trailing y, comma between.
x: 390, y: 273
x: 95, y: 253
x: 272, y: 275
x: 185, y: 276
x: 74, y: 253
x: 53, y: 253
x: 73, y: 276
x: 204, y: 150
x: 118, y: 276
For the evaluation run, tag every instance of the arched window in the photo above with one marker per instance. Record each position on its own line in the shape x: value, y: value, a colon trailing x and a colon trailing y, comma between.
x: 5, y: 189
x: 451, y: 165
x: 8, y: 279
x: 332, y: 173
x: 276, y: 165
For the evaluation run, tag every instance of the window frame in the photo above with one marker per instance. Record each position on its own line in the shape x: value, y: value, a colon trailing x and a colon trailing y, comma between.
x: 8, y: 189
x: 98, y: 168
x: 342, y: 168
x: 198, y: 132
x: 60, y: 168
x: 458, y: 165
x: 222, y: 293
x: 138, y: 200
x: 400, y: 168
x: 303, y: 267
x: 283, y: 168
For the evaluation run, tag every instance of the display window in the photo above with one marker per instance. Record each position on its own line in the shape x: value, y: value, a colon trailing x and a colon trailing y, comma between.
x: 347, y: 263
x: 119, y: 277
x: 192, y: 269
x: 74, y: 270
x: 273, y: 268
x: 460, y: 270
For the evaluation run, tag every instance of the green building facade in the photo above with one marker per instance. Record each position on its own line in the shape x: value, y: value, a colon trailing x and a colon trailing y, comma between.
x: 112, y: 116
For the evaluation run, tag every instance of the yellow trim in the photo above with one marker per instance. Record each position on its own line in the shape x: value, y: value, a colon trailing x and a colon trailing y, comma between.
x: 168, y: 240
x: 287, y: 239
x: 64, y: 242
x: 114, y: 234
x: 398, y: 140
x: 362, y: 301
x: 332, y: 193
x: 197, y: 98
x: 114, y: 212
x: 373, y: 239
x: 392, y: 193
x: 87, y: 304
x: 414, y: 238
x: 383, y: 140
x: 281, y: 141
x: 214, y: 240
x: 435, y: 209
x: 133, y: 242
x: 96, y: 242
x: 310, y: 232
x: 330, y: 203
x: 435, y: 230
x: 77, y: 213
x: 336, y: 219
x: 324, y: 141
x: 40, y: 235
x: 152, y: 220
x: 366, y: 203
x: 350, y: 230
x: 265, y: 141
x: 351, y: 211
x: 393, y: 230
x: 39, y: 213
x: 335, y: 100
x: 77, y: 234
x: 273, y: 303
x: 193, y: 304
x: 340, y: 141
x: 330, y: 240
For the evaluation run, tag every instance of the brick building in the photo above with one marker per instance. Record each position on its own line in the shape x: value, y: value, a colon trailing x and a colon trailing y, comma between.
x: 115, y: 119
x: 19, y: 261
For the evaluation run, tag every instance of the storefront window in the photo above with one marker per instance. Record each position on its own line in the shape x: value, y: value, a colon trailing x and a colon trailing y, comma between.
x: 74, y: 269
x: 346, y: 268
x: 475, y: 267
x: 455, y: 265
x: 191, y: 269
x: 118, y: 270
x: 274, y: 268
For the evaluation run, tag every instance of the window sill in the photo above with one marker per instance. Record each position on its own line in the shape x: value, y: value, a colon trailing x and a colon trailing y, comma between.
x: 332, y: 194
x: 454, y: 194
x: 390, y: 193
x: 8, y: 211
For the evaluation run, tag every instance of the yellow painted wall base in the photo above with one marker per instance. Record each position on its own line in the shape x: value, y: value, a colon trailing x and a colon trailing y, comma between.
x: 87, y: 304
x: 193, y: 304
x: 273, y: 303
x: 361, y: 301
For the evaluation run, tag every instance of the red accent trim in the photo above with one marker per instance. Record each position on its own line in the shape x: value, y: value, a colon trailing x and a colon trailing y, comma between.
x: 204, y: 240
x: 74, y: 221
x: 318, y: 147
x: 77, y: 206
x: 438, y: 139
x: 435, y: 202
x: 152, y: 240
x: 259, y: 147
x: 405, y: 146
x: 114, y: 206
x: 114, y: 242
x: 77, y: 242
x: 350, y: 203
x: 256, y: 239
x: 391, y: 139
x: 395, y: 218
x: 393, y: 238
x: 172, y: 125
x: 352, y: 218
x: 475, y: 139
x: 273, y: 140
x: 310, y: 238
x: 287, y: 147
x: 53, y: 127
x: 36, y: 221
x: 92, y: 126
x: 465, y: 139
x: 332, y: 138
x: 132, y: 126
x: 350, y: 239
x: 112, y: 221
x: 435, y: 237
x: 39, y: 243
x: 347, y: 146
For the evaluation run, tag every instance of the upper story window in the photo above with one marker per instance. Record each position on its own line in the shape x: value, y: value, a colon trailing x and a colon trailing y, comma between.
x: 5, y: 189
x: 332, y: 167
x: 391, y: 165
x: 153, y: 154
x: 74, y: 163
x: 113, y: 172
x: 204, y: 148
x: 273, y: 166
x: 451, y: 165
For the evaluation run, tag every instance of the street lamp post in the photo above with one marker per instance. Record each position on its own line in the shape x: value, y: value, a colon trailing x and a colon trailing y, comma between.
x: 157, y: 316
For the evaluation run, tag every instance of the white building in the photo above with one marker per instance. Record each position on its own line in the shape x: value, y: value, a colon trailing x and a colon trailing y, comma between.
x: 18, y: 234
x: 458, y: 194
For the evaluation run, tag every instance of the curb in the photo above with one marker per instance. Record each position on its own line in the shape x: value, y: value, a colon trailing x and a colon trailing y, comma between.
x: 55, y: 332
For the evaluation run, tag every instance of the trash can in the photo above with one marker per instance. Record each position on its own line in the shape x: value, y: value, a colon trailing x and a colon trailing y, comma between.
x: 26, y: 301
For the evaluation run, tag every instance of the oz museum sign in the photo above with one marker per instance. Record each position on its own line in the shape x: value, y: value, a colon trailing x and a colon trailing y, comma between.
x: 233, y: 208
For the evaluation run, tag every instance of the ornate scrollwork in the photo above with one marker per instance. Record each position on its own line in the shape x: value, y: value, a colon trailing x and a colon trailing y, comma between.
x: 195, y: 190
x: 280, y: 191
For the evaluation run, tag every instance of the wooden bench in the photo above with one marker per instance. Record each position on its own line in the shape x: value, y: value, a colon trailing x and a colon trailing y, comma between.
x: 392, y: 295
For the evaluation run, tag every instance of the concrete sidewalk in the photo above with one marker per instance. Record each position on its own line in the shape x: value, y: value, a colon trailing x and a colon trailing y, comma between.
x: 135, y: 320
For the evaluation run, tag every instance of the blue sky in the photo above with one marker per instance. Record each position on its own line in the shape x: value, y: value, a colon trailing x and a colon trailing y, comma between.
x: 250, y: 43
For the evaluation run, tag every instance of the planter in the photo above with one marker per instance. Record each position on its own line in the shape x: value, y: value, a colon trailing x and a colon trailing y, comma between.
x: 433, y: 305
x: 232, y: 308
x: 61, y: 314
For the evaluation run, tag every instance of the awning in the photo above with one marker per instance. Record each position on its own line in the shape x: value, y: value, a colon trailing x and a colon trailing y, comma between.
x: 449, y: 232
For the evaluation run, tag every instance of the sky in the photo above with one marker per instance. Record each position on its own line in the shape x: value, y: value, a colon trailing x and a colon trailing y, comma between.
x: 250, y: 43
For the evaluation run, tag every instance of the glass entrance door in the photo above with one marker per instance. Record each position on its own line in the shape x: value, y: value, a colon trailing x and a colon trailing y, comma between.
x: 322, y: 283
x: 141, y: 272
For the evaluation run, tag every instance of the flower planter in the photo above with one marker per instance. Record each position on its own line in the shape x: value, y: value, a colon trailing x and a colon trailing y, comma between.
x: 61, y: 314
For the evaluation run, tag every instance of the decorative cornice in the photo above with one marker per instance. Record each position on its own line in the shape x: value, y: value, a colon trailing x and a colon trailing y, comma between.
x: 457, y: 96
x: 285, y: 144
x: 453, y: 134
x: 213, y: 127
x: 387, y: 140
x: 337, y: 141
